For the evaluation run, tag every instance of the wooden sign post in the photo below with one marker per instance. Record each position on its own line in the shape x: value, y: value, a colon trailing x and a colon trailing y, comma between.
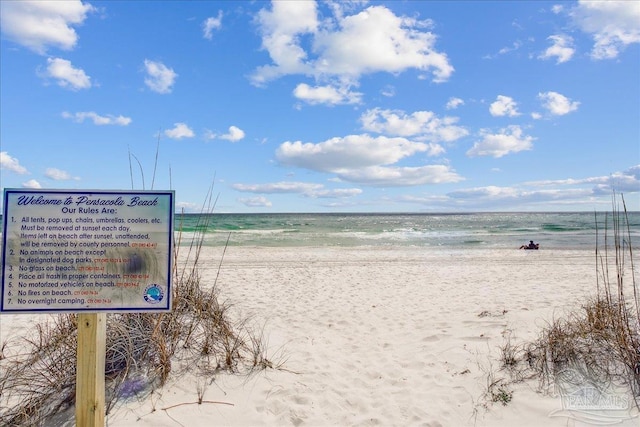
x: 90, y: 401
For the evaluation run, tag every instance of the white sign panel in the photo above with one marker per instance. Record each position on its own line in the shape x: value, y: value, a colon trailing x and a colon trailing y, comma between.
x: 86, y: 251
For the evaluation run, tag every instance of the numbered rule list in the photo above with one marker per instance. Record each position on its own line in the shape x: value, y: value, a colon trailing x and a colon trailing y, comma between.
x: 86, y: 251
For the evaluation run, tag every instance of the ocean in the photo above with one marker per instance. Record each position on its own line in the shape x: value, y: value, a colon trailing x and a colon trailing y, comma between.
x: 468, y: 230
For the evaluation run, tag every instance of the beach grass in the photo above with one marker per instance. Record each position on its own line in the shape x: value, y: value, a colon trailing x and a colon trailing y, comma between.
x: 597, y: 343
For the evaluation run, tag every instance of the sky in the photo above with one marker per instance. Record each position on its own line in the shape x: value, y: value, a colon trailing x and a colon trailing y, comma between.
x: 326, y: 106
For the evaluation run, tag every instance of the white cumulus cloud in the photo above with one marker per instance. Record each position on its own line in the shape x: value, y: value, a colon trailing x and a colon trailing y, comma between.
x: 493, y: 192
x: 11, y: 164
x: 234, y: 134
x: 557, y: 104
x: 326, y: 95
x: 454, y: 103
x: 281, y: 28
x: 97, y: 119
x: 281, y: 187
x: 337, y: 193
x: 57, y: 174
x: 352, y: 151
x: 255, y: 202
x: 627, y: 181
x: 508, y: 140
x: 345, y: 46
x: 366, y: 160
x: 39, y: 25
x: 160, y: 78
x: 377, y: 40
x: 306, y: 189
x: 385, y: 176
x: 179, y: 131
x: 561, y: 48
x: 32, y: 183
x: 188, y: 207
x: 66, y: 75
x: 421, y: 124
x: 211, y: 24
x: 504, y: 106
x: 614, y: 25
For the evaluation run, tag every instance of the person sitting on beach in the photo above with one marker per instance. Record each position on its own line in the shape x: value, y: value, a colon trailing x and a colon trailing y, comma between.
x: 531, y: 245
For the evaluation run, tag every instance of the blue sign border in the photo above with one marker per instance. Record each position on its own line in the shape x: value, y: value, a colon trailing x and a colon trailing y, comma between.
x: 157, y: 307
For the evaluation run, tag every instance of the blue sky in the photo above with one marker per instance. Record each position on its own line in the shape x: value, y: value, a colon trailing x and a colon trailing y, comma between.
x: 327, y: 106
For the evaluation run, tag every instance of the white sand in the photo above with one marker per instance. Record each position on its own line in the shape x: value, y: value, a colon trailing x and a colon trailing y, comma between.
x: 378, y: 336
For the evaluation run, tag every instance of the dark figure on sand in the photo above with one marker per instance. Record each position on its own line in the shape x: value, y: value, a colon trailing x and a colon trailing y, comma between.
x: 531, y: 245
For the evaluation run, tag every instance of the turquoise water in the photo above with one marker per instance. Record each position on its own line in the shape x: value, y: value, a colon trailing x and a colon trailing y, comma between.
x: 481, y: 230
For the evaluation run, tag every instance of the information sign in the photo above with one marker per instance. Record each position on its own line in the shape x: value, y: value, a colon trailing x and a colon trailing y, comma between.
x: 86, y: 251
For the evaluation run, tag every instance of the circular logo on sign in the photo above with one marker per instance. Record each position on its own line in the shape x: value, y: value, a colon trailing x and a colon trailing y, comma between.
x: 153, y: 294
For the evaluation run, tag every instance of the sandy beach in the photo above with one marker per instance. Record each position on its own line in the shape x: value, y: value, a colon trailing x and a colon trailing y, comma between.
x: 390, y: 336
